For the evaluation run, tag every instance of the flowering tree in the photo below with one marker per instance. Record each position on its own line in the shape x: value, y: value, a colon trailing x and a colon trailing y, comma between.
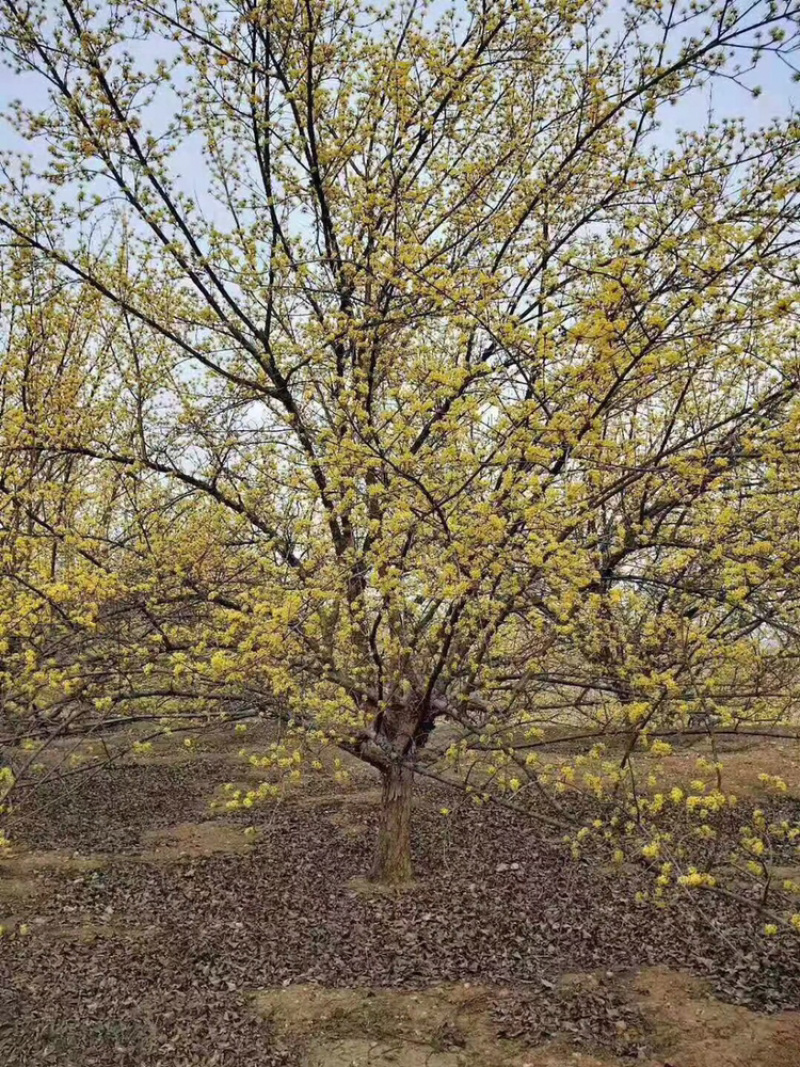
x: 382, y: 371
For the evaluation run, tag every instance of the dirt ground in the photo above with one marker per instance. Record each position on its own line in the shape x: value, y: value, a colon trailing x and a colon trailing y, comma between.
x: 144, y: 929
x: 454, y: 1026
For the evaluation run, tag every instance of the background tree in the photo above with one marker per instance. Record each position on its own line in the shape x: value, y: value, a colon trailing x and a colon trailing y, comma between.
x: 416, y: 380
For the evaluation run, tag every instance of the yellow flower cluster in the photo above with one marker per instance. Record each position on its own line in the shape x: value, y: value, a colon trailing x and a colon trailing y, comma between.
x: 697, y: 879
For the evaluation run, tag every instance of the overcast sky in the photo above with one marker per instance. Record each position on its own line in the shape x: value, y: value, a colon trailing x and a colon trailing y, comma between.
x: 778, y: 94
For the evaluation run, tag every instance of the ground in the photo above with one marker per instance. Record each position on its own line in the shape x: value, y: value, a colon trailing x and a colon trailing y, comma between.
x: 161, y: 934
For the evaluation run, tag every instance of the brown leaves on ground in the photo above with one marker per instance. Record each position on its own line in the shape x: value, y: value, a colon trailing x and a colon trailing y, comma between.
x: 141, y: 960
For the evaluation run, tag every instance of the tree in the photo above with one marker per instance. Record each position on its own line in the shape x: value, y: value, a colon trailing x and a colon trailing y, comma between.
x: 419, y: 379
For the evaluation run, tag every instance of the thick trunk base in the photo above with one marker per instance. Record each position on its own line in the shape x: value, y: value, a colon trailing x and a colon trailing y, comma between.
x: 393, y: 855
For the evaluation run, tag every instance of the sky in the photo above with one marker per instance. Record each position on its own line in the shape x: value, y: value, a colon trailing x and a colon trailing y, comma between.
x: 778, y: 94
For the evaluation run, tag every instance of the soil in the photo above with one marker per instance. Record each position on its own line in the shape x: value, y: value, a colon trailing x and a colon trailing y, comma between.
x: 193, y: 840
x: 693, y: 1029
x: 453, y: 1026
x: 743, y: 760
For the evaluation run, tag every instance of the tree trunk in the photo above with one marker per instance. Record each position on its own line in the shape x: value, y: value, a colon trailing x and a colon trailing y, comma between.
x: 393, y: 857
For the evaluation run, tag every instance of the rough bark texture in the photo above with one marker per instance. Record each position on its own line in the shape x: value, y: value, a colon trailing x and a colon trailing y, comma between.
x: 393, y: 855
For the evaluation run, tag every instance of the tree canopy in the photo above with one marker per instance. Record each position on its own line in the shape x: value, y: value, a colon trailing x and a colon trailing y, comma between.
x: 372, y: 371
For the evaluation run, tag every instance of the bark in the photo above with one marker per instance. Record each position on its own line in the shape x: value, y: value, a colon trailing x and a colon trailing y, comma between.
x: 393, y: 856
